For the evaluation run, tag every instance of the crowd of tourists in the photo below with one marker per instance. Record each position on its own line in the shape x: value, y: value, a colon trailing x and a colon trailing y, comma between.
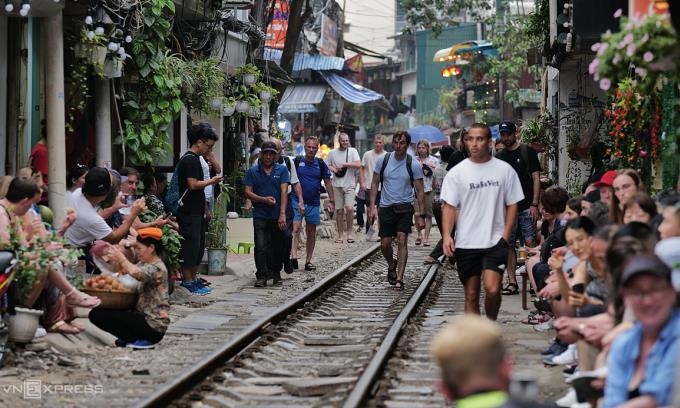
x: 604, y: 269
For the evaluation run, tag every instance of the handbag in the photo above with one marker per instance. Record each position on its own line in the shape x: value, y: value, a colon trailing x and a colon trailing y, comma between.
x: 343, y: 171
x: 402, y: 208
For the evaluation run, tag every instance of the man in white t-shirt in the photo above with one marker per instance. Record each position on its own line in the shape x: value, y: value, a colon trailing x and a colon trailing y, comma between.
x: 366, y: 175
x: 480, y: 197
x: 344, y: 162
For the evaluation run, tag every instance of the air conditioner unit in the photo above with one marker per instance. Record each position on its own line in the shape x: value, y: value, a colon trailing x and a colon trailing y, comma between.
x: 238, y: 4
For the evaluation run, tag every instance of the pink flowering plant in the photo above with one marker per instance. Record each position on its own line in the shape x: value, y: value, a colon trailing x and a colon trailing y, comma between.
x: 645, y: 50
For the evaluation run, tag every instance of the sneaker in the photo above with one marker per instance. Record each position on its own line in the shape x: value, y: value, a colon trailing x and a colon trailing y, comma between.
x: 261, y: 283
x: 288, y: 266
x: 555, y: 348
x: 545, y: 326
x: 569, y: 356
x: 120, y: 343
x: 570, y: 370
x: 194, y: 288
x: 277, y: 282
x: 568, y: 400
x: 141, y: 345
x: 201, y: 285
x: 294, y: 263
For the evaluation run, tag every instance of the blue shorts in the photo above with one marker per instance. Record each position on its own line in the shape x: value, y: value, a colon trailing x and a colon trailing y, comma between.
x: 312, y: 214
x: 528, y: 228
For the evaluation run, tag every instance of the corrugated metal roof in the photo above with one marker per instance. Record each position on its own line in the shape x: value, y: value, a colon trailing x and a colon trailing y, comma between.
x: 307, y: 61
x: 303, y: 94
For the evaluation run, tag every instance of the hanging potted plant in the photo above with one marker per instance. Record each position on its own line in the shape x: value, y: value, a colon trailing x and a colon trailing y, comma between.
x: 248, y: 73
x: 246, y: 99
x: 92, y: 48
x: 228, y: 105
x: 265, y: 91
x: 217, y: 243
x: 533, y: 133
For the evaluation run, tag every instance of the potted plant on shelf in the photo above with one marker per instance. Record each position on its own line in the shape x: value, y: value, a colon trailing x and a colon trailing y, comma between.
x: 248, y: 73
x: 217, y: 243
x: 265, y: 91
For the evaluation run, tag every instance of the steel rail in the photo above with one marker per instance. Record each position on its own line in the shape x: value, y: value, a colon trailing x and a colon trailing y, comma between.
x: 365, y: 384
x: 171, y: 390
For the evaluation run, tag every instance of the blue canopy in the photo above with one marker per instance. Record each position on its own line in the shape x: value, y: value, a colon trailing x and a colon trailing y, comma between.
x: 349, y: 90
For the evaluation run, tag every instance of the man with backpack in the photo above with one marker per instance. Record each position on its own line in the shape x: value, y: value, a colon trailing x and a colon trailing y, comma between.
x: 399, y: 176
x: 524, y: 160
x: 311, y: 170
x: 191, y: 206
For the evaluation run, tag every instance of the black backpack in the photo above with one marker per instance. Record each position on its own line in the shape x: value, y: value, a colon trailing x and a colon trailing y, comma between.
x: 409, y: 160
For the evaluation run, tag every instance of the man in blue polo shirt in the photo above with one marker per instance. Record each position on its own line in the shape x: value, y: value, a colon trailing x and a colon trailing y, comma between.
x: 309, y: 170
x: 266, y: 186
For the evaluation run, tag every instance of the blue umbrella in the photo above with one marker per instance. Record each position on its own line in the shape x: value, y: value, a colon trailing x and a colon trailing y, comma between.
x: 429, y: 133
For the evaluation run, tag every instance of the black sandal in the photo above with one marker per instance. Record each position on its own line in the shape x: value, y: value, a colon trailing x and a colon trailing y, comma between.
x: 310, y: 266
x: 511, y: 289
x: 399, y: 285
x: 392, y: 274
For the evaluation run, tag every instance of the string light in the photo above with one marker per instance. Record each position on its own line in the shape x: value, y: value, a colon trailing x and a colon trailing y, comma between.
x: 25, y: 8
x: 9, y: 7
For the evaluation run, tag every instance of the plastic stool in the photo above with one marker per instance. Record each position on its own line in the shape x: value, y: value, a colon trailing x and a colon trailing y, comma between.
x: 246, y: 247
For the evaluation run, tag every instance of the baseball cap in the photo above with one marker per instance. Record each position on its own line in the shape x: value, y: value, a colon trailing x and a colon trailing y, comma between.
x: 268, y: 147
x: 607, y: 179
x: 507, y: 126
x: 668, y: 250
x: 150, y: 232
x: 593, y: 196
x: 97, y: 182
x: 645, y: 264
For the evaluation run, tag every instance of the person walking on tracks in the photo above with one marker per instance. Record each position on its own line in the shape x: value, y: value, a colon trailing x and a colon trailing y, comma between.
x: 266, y: 186
x: 311, y: 170
x: 366, y: 176
x: 344, y: 162
x: 399, y: 175
x: 480, y: 197
x: 476, y: 366
x: 524, y: 160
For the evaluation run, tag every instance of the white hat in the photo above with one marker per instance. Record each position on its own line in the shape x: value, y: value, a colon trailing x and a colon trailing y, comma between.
x: 668, y: 250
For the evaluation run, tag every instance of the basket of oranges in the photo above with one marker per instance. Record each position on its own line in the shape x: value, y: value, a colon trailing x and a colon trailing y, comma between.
x: 113, y: 294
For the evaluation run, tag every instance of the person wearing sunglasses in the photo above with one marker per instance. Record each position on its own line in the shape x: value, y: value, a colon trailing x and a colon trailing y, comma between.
x: 144, y: 325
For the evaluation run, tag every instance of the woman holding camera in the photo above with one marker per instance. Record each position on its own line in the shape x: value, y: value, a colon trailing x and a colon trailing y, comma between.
x: 429, y: 163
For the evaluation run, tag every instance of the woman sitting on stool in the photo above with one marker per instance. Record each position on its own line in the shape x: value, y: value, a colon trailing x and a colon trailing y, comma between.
x: 145, y: 325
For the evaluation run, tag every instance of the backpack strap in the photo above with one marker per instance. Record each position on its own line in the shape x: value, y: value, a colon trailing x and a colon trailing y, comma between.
x: 524, y: 152
x: 409, y: 169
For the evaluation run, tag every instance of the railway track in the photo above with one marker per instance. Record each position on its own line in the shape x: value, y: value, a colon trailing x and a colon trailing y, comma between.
x: 350, y: 341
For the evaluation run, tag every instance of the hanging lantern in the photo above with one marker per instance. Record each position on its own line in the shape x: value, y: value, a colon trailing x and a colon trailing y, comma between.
x: 9, y: 7
x: 25, y: 8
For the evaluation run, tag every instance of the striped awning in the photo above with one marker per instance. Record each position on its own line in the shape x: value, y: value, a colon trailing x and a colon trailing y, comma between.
x: 349, y: 90
x: 307, y: 61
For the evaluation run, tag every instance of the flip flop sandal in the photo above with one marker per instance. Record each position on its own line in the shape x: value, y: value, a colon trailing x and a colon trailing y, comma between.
x: 63, y: 328
x: 84, y: 301
x: 392, y: 274
x: 511, y: 289
x: 339, y: 241
x: 419, y: 241
x: 310, y: 266
x: 430, y: 261
x: 399, y: 285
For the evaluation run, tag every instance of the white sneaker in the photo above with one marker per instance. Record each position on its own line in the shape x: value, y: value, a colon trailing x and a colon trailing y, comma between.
x: 569, y: 356
x: 568, y: 400
x: 545, y: 326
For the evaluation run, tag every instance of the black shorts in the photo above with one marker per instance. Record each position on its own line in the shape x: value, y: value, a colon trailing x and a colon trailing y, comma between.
x: 471, y: 262
x: 392, y: 222
x: 192, y: 228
